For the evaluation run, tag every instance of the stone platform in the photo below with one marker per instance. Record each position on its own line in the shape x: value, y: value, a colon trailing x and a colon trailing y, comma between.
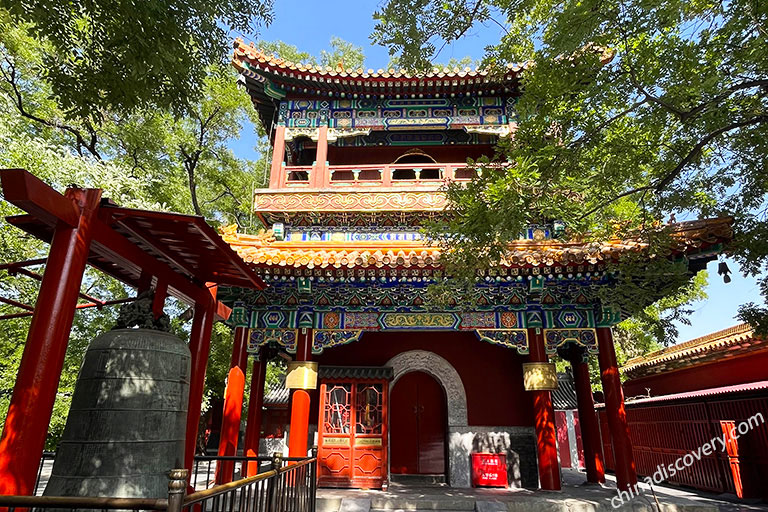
x: 576, y: 496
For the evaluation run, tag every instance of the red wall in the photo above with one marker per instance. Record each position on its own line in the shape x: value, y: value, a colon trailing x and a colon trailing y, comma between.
x: 492, y: 375
x: 563, y: 444
x: 724, y: 372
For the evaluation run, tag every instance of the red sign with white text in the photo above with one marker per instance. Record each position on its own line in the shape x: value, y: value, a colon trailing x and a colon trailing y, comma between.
x: 489, y: 470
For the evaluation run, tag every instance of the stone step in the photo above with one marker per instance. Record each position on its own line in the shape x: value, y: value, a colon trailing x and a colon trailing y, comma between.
x: 422, y: 504
x: 390, y: 504
x: 419, y: 480
x: 516, y: 504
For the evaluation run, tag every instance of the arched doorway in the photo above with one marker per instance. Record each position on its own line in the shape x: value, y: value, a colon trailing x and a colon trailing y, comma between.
x: 418, y: 424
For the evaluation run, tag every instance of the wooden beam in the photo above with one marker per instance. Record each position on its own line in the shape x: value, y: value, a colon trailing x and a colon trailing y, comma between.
x: 114, y: 246
x: 21, y: 264
x: 156, y: 247
x: 222, y: 312
x: 79, y: 306
x: 213, y: 237
x: 32, y: 195
x: 17, y: 304
x: 38, y: 277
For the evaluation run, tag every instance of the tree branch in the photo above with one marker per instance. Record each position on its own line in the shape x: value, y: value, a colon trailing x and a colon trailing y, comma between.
x: 694, y: 152
x: 668, y: 178
x: 18, y: 101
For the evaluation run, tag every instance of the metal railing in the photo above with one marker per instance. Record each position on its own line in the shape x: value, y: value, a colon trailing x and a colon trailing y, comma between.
x: 45, y: 461
x: 289, y: 488
x: 208, y: 470
x: 289, y: 485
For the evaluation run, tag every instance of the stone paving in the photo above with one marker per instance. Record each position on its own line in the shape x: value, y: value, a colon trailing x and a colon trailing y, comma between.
x: 576, y: 496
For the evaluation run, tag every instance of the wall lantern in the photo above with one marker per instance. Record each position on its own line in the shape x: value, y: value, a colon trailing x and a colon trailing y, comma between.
x: 539, y: 376
x: 301, y: 375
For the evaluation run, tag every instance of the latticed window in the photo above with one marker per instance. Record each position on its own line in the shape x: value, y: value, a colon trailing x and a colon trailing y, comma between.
x: 338, y: 400
x: 369, y: 413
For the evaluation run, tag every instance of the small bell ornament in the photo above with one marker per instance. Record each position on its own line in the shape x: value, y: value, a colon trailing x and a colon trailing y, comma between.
x: 723, y: 270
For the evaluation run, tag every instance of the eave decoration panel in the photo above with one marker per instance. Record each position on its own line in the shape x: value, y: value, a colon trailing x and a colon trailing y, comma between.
x: 398, y: 114
x: 327, y: 338
x: 510, y: 338
x: 556, y: 338
x: 349, y: 201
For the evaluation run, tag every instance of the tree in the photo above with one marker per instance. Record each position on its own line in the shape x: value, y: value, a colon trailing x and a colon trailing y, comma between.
x: 287, y: 51
x: 340, y: 52
x: 172, y: 155
x: 142, y: 157
x: 104, y: 56
x: 631, y: 113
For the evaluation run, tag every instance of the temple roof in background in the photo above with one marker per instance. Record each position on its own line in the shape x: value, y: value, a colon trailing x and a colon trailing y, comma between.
x: 693, y: 238
x: 268, y: 79
x: 734, y: 341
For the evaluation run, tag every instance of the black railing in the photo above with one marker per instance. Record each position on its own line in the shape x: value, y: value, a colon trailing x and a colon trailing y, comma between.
x: 289, y: 485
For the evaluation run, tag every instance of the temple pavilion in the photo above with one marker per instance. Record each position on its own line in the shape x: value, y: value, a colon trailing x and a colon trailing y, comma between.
x: 384, y: 383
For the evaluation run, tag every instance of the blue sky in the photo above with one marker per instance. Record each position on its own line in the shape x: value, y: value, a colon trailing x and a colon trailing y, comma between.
x: 309, y: 25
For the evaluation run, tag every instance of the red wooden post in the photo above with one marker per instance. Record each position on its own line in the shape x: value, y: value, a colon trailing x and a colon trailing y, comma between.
x: 320, y: 176
x: 544, y: 413
x: 34, y: 393
x: 626, y: 476
x: 276, y: 178
x: 253, y: 426
x: 233, y: 405
x: 200, y: 347
x: 300, y: 402
x: 590, y: 433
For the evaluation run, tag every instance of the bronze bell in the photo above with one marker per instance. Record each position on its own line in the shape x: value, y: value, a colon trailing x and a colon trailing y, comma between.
x: 126, y: 426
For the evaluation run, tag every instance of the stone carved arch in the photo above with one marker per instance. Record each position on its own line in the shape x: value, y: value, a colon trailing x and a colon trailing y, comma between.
x: 440, y: 369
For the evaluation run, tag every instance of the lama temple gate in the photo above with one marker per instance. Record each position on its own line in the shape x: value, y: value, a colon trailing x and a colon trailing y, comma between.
x: 405, y: 388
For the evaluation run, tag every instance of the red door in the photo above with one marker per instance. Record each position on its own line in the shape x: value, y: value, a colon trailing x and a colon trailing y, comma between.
x: 352, y: 441
x: 418, y: 423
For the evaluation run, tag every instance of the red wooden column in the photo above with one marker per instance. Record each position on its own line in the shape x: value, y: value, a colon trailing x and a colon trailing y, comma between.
x: 233, y: 405
x: 300, y: 402
x: 253, y: 426
x: 320, y: 176
x: 590, y: 433
x: 200, y: 347
x: 29, y: 413
x: 626, y: 476
x: 276, y: 178
x: 544, y: 417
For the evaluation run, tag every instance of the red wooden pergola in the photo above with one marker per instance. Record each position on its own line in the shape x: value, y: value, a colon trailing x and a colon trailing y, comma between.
x: 176, y: 255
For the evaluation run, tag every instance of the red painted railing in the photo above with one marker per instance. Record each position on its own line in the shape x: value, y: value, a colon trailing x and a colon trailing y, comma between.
x: 374, y: 175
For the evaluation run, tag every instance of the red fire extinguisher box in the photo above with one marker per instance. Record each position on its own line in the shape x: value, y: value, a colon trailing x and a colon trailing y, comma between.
x: 489, y: 470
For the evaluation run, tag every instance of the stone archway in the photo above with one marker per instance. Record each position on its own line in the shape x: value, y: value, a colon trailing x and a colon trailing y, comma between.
x: 456, y: 402
x: 440, y: 369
